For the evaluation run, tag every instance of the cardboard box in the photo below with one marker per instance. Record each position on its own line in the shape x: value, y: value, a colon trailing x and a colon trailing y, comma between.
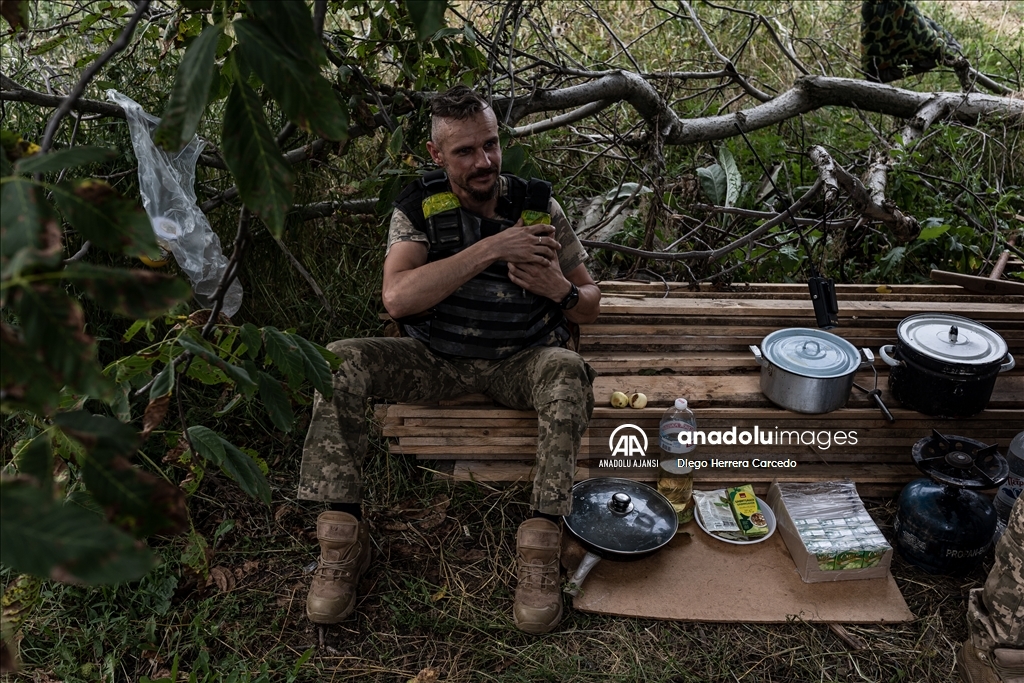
x: 828, y: 531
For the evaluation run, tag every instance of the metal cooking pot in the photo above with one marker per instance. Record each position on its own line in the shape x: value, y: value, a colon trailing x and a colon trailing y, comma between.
x: 807, y: 370
x: 945, y: 364
x: 617, y: 519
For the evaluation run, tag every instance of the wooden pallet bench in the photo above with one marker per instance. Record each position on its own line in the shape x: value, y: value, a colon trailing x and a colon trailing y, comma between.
x: 668, y: 341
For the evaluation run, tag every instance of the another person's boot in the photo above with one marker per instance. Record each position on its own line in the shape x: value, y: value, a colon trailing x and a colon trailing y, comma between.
x: 538, y: 603
x: 344, y: 556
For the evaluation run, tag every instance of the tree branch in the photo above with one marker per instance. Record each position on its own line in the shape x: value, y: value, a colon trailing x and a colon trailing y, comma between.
x: 69, y: 102
x: 715, y: 254
x: 832, y: 175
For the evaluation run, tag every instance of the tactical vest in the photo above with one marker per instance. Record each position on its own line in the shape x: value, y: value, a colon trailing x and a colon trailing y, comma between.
x: 488, y: 317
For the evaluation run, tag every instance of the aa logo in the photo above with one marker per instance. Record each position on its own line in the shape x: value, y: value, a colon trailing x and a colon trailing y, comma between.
x: 631, y: 443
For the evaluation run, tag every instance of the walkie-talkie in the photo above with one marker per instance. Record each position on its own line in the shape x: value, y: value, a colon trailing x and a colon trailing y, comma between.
x: 823, y: 296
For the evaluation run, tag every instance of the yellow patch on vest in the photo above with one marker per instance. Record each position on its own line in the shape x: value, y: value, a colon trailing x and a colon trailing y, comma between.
x: 536, y: 217
x: 436, y: 203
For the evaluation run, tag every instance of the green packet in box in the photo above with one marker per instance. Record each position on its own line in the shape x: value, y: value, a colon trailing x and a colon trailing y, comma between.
x: 828, y: 532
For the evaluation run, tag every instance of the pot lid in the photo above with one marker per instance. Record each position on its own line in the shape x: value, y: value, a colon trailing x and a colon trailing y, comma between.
x: 811, y: 353
x: 622, y: 516
x: 951, y: 339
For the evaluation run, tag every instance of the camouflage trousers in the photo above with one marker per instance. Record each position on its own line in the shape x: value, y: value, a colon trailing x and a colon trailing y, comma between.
x: 555, y: 382
x: 995, y: 612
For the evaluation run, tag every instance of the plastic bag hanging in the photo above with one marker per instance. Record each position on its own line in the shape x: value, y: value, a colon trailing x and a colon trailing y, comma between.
x: 167, y: 185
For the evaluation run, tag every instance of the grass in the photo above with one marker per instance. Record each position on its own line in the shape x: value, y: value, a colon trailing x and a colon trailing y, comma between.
x: 437, y: 595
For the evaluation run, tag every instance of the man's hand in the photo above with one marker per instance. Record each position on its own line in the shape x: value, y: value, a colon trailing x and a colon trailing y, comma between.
x: 529, y: 244
x: 543, y: 279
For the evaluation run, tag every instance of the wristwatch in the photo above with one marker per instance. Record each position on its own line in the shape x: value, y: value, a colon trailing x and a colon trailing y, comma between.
x: 571, y: 299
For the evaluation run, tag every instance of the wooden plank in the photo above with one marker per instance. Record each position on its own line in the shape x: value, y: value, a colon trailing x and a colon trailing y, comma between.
x: 879, y: 475
x: 624, y: 363
x: 768, y: 307
x: 978, y: 284
x: 741, y: 288
x: 1012, y: 416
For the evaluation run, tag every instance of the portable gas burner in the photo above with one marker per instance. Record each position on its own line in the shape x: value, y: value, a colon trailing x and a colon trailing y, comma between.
x: 943, y: 524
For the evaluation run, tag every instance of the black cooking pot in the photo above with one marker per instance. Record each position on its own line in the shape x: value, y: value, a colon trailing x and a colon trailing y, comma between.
x: 945, y: 365
x: 618, y: 519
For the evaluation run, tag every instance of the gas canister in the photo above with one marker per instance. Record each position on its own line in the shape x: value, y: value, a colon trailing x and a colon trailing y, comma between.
x: 943, y: 524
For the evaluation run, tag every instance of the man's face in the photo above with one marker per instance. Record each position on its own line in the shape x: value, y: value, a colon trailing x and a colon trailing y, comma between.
x: 469, y: 152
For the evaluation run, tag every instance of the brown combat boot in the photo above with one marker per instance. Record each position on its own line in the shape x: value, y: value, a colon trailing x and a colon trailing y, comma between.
x: 344, y: 556
x: 538, y: 603
x: 972, y: 668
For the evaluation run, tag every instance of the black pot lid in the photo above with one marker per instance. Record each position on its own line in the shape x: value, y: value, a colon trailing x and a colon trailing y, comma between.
x: 811, y: 353
x: 951, y: 339
x: 621, y: 516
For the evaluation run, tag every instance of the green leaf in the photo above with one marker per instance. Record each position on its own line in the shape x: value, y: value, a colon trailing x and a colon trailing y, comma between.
x: 134, y: 293
x: 292, y: 24
x: 512, y: 159
x: 101, y: 435
x: 284, y: 352
x: 251, y: 338
x: 16, y: 13
x: 21, y: 216
x: 207, y: 443
x: 315, y: 366
x: 395, y: 144
x: 36, y: 460
x: 932, y: 232
x: 241, y: 378
x: 110, y: 221
x: 275, y: 400
x: 44, y: 538
x: 733, y: 179
x: 236, y: 464
x: 202, y: 371
x: 714, y: 183
x: 52, y: 325
x: 427, y: 16
x: 136, y: 500
x: 65, y: 158
x: 190, y: 92
x: 47, y: 45
x: 264, y: 178
x: 163, y: 385
x: 305, y: 96
x: 26, y: 381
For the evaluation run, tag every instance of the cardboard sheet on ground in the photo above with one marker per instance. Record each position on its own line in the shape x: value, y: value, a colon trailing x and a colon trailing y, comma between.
x: 701, y: 579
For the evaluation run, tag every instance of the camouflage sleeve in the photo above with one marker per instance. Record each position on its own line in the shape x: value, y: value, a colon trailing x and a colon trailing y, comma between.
x: 572, y: 253
x: 402, y: 230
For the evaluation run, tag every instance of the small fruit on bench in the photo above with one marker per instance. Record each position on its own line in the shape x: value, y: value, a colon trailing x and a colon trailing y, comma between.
x: 619, y: 399
x: 638, y: 401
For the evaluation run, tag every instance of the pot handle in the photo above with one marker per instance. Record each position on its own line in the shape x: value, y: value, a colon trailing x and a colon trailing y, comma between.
x: 870, y: 358
x: 586, y: 564
x: 757, y: 355
x: 1008, y: 365
x: 884, y: 352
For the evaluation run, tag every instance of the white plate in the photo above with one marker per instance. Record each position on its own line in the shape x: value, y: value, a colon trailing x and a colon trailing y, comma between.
x: 769, y: 517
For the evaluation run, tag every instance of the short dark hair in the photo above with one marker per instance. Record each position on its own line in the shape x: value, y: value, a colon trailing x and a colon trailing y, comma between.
x: 459, y: 102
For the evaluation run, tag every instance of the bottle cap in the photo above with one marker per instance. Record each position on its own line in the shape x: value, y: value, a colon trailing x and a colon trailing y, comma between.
x: 680, y: 404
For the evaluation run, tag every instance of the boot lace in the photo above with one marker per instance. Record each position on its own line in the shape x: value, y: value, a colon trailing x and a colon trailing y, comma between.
x: 336, y: 569
x: 538, y: 574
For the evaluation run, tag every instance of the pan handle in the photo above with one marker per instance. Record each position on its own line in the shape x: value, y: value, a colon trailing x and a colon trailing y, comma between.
x: 1008, y: 365
x: 757, y: 355
x: 586, y: 564
x: 884, y: 352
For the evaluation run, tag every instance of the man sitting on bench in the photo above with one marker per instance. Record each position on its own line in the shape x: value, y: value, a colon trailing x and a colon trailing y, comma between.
x: 486, y: 277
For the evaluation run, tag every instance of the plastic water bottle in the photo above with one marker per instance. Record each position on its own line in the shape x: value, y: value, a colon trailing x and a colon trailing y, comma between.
x: 1014, y: 484
x: 675, y: 474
